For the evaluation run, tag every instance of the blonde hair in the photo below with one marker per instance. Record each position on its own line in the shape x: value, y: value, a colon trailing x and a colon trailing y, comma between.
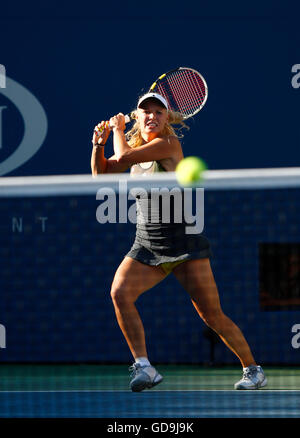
x: 134, y: 136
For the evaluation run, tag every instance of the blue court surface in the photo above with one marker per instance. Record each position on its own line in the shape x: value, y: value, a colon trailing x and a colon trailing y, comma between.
x: 95, y: 391
x: 161, y: 404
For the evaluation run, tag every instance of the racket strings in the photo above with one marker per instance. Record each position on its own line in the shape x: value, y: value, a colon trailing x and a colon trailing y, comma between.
x: 190, y: 95
x: 185, y: 91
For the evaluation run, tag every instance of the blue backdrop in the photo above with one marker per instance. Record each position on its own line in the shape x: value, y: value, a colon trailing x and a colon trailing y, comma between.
x: 55, y: 282
x: 63, y: 68
x: 86, y: 62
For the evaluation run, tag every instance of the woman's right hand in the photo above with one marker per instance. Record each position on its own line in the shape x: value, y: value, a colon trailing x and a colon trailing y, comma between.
x: 101, y: 133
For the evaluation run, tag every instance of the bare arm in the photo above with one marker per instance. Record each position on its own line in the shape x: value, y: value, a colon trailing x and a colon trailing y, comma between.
x: 100, y: 164
x: 157, y: 149
x: 125, y: 156
x: 120, y: 143
x: 98, y: 161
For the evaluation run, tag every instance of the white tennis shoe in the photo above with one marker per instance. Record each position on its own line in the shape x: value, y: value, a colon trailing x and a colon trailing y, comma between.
x: 143, y: 377
x: 253, y: 378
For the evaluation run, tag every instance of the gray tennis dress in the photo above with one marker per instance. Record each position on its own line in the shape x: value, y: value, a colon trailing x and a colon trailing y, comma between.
x: 158, y: 243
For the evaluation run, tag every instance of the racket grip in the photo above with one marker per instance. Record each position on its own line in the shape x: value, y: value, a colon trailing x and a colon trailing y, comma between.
x: 127, y: 120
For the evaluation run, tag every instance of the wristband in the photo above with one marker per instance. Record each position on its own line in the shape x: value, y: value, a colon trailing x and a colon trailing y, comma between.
x: 98, y: 145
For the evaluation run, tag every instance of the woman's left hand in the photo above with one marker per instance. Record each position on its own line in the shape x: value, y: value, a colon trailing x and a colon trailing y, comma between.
x: 117, y: 122
x: 100, y: 134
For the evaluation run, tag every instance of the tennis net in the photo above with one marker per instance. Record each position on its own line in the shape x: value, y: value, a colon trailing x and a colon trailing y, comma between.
x: 62, y: 240
x: 58, y: 259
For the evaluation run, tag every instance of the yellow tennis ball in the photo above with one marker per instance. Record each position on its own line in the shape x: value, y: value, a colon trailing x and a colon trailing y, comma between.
x: 190, y: 170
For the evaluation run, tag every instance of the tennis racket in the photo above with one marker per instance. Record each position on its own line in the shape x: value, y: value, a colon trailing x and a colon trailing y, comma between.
x: 184, y: 89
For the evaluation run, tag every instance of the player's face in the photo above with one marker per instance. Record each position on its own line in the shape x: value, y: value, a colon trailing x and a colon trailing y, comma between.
x: 152, y: 118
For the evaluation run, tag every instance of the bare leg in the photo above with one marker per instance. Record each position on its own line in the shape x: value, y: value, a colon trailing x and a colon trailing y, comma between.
x: 132, y: 278
x: 197, y: 278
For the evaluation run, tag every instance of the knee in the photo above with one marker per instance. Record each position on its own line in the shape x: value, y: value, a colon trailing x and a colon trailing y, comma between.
x: 119, y: 296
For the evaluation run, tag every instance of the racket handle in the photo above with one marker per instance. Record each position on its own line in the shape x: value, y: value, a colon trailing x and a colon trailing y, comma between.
x: 127, y: 120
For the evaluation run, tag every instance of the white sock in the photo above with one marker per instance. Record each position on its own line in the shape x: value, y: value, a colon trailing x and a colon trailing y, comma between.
x: 143, y: 361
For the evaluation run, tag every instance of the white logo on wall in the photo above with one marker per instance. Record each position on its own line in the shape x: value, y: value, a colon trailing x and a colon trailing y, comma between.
x: 296, y: 77
x: 34, y: 118
x: 2, y: 76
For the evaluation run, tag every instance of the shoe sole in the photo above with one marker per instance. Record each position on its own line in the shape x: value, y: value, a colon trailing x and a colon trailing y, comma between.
x: 144, y: 385
x: 258, y: 386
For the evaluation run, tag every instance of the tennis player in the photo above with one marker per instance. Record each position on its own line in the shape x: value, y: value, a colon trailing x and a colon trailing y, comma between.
x: 159, y: 249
